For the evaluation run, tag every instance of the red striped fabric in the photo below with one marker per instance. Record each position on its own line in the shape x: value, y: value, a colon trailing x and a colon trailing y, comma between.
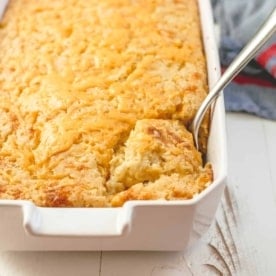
x: 258, y: 80
x: 273, y: 71
x: 253, y: 80
x: 266, y: 56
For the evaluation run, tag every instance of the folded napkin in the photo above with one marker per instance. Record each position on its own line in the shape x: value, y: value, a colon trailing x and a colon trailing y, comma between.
x: 254, y: 90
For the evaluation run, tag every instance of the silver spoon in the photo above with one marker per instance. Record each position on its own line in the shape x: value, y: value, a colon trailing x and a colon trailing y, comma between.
x: 247, y: 53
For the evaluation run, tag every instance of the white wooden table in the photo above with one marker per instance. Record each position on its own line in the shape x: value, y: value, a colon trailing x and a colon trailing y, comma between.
x: 242, y: 240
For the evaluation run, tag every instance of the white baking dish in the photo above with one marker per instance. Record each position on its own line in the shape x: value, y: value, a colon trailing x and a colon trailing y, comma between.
x: 138, y: 225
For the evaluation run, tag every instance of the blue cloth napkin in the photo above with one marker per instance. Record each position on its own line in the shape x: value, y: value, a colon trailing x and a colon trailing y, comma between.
x: 254, y: 90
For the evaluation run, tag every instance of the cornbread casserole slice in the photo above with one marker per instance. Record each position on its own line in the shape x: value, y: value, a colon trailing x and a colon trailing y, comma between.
x: 94, y: 99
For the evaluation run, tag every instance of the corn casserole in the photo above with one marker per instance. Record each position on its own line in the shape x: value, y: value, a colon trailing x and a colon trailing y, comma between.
x: 95, y: 100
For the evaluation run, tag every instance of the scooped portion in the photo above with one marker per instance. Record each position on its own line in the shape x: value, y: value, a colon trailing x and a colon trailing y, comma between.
x: 158, y: 161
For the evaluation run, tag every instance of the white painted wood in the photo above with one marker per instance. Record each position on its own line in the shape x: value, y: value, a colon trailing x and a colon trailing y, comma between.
x: 250, y: 170
x: 49, y: 263
x: 241, y: 241
x: 270, y: 134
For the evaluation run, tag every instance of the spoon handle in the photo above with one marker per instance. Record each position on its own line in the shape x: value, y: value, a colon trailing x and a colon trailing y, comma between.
x: 242, y: 59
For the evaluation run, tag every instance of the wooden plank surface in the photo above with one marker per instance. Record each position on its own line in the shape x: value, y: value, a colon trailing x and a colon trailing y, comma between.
x: 241, y: 240
x: 251, y: 166
x: 49, y: 263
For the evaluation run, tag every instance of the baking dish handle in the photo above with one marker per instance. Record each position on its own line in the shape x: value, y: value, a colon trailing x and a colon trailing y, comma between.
x: 78, y: 222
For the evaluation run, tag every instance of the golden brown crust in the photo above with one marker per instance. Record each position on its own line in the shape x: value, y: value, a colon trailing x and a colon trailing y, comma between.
x: 78, y: 79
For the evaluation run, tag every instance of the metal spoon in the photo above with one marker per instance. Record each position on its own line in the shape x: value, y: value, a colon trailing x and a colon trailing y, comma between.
x: 247, y: 53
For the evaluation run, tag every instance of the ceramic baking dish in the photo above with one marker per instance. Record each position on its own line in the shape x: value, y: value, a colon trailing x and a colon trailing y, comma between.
x: 138, y: 225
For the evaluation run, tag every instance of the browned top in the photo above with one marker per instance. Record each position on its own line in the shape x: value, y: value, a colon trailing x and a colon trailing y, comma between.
x: 79, y: 80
